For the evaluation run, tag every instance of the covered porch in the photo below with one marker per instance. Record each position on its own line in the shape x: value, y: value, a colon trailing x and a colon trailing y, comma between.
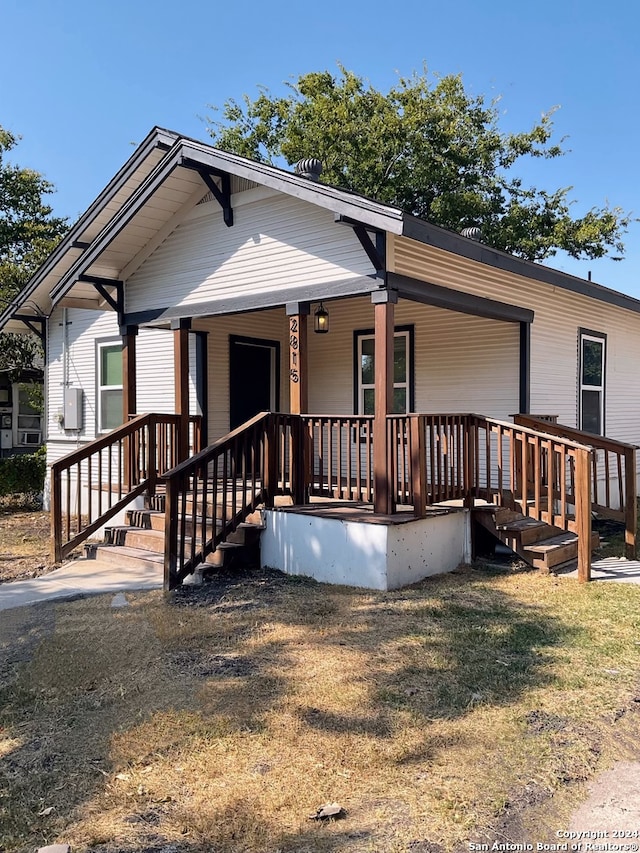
x: 396, y: 468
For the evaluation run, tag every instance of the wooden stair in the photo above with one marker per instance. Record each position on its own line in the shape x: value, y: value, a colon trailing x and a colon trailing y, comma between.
x: 140, y: 542
x: 539, y: 544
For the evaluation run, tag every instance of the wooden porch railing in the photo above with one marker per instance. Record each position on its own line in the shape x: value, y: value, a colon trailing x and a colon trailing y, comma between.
x: 92, y: 484
x: 210, y: 494
x: 613, y: 475
x: 339, y: 456
x: 544, y: 470
x: 429, y: 458
x: 544, y: 476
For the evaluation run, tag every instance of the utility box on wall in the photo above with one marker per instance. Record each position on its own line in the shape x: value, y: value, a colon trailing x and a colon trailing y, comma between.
x: 73, y: 408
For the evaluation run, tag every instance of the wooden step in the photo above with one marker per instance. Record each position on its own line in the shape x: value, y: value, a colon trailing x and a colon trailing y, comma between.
x: 556, y: 550
x: 526, y: 531
x: 539, y: 544
x: 148, y: 519
x: 145, y: 539
x: 126, y: 556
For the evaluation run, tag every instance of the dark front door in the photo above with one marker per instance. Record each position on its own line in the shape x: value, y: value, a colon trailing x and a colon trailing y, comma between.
x: 253, y: 374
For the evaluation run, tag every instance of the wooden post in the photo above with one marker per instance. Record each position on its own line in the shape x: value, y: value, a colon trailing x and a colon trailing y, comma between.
x: 129, y: 401
x: 298, y: 397
x: 384, y: 301
x: 128, y: 371
x: 56, y: 515
x: 298, y: 359
x: 631, y: 504
x: 583, y: 513
x: 270, y: 460
x: 418, y: 466
x: 470, y: 438
x: 171, y: 535
x: 181, y: 378
x: 151, y: 461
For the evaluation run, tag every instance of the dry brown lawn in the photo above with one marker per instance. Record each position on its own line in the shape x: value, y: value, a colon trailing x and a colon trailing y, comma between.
x: 24, y: 542
x: 471, y: 707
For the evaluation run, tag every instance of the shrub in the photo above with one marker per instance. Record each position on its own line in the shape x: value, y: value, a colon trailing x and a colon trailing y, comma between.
x: 23, y: 475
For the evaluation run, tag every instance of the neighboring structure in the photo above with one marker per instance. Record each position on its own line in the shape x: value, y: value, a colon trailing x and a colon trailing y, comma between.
x: 187, y: 288
x: 21, y: 420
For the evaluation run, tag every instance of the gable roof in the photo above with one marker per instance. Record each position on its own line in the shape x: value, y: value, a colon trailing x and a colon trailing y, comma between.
x: 169, y: 173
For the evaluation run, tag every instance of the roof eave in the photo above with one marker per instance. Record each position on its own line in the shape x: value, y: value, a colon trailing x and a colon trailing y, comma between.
x: 158, y: 137
x: 449, y: 241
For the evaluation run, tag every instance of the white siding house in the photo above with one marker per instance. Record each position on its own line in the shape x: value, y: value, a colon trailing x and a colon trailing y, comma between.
x: 189, y: 289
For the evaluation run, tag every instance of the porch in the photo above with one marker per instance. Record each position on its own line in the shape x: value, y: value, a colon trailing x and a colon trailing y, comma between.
x: 434, y: 466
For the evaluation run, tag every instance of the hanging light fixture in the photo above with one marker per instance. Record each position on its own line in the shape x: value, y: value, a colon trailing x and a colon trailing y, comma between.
x: 321, y: 320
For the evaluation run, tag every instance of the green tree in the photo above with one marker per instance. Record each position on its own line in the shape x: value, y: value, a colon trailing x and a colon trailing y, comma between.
x: 428, y: 147
x: 28, y: 232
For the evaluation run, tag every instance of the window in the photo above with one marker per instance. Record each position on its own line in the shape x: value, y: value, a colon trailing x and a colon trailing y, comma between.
x: 364, y: 351
x: 28, y: 417
x: 109, y: 386
x: 592, y: 381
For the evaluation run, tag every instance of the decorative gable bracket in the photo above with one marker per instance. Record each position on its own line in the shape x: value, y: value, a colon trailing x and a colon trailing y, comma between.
x: 101, y: 285
x: 222, y: 193
x: 35, y: 324
x: 376, y: 252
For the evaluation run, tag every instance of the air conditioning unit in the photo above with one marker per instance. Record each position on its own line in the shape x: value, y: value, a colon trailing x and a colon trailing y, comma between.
x: 30, y: 438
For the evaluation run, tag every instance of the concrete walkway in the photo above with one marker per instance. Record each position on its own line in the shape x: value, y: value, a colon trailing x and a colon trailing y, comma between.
x: 91, y: 577
x: 611, y: 569
x: 78, y: 578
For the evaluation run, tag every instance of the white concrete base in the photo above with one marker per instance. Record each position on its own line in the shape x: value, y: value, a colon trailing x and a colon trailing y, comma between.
x: 365, y: 554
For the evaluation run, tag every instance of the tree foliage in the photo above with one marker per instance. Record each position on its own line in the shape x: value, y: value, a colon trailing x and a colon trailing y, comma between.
x: 28, y: 232
x: 428, y: 147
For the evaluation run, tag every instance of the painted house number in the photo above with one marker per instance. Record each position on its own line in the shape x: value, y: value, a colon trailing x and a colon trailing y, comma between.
x: 294, y: 345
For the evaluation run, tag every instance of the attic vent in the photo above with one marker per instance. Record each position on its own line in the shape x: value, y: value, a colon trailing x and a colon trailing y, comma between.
x: 473, y: 233
x: 309, y: 168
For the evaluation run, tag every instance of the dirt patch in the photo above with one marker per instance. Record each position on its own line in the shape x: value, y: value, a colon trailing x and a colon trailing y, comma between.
x: 24, y: 544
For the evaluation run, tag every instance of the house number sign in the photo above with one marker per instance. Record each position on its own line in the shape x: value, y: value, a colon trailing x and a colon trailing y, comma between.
x: 294, y: 347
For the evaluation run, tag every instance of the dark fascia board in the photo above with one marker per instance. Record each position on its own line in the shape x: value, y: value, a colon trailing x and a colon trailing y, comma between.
x: 449, y: 241
x: 360, y: 208
x: 158, y: 137
x: 258, y: 302
x: 457, y: 300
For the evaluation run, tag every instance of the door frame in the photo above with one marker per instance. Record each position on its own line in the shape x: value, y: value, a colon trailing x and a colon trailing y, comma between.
x: 274, y: 347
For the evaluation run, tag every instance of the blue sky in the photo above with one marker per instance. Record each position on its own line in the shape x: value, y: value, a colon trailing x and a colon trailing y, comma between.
x: 82, y: 82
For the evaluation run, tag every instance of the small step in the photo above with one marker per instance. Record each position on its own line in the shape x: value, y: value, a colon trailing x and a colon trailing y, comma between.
x: 246, y: 533
x: 145, y: 539
x: 126, y: 556
x: 224, y: 554
x: 149, y: 519
x: 556, y: 550
x: 526, y: 531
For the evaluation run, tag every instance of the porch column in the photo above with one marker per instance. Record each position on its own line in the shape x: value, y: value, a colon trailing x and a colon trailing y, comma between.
x: 384, y: 302
x: 298, y: 370
x: 525, y: 367
x: 129, y: 399
x: 129, y: 334
x: 180, y: 330
x: 297, y: 313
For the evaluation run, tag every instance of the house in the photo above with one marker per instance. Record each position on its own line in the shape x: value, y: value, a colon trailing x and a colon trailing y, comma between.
x: 224, y: 336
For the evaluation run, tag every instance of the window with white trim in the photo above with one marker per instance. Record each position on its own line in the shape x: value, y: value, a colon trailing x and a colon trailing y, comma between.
x: 27, y: 417
x: 591, y: 381
x: 402, y: 371
x: 109, y: 385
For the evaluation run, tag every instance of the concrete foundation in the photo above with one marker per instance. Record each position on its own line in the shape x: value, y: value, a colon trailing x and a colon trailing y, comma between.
x: 365, y: 553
